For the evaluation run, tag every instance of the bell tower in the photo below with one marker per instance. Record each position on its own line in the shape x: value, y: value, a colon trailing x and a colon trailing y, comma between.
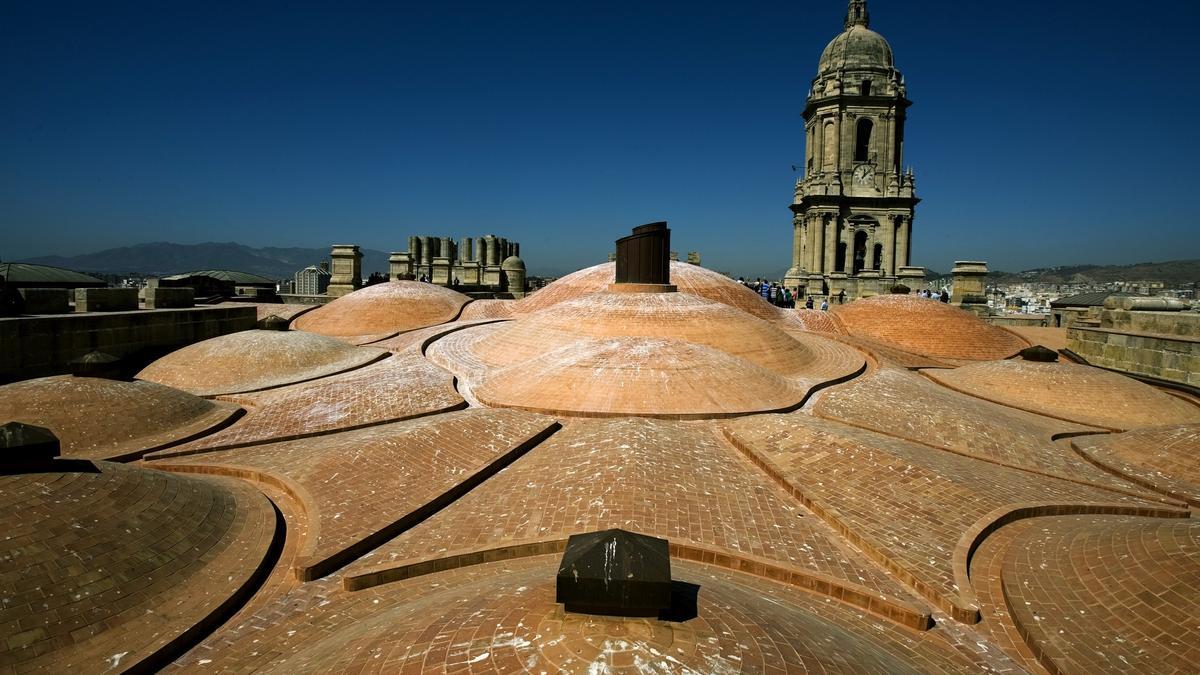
x: 853, y: 208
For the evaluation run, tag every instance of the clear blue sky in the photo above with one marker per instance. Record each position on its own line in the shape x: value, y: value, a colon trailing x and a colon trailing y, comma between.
x: 1042, y: 132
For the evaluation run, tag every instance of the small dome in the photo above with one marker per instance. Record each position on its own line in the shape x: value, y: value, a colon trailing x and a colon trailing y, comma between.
x: 513, y: 264
x: 858, y: 47
x: 1079, y: 394
x: 384, y: 310
x: 111, y: 419
x: 255, y: 359
x: 927, y: 327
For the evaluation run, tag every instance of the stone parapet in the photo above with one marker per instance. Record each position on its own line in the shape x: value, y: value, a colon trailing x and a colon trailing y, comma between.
x: 1169, y: 357
x: 166, y: 297
x: 105, y: 299
x: 46, y: 345
x: 45, y: 300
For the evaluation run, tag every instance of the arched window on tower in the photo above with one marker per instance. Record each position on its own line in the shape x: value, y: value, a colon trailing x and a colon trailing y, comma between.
x: 862, y: 145
x: 866, y: 88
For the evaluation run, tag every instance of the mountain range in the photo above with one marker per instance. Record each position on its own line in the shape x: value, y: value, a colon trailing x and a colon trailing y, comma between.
x: 1172, y: 272
x: 164, y: 258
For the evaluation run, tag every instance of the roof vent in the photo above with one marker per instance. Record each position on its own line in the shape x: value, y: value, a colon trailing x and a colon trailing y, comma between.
x: 24, y: 446
x: 273, y: 322
x: 97, y: 364
x: 616, y: 573
x: 644, y: 260
x: 1040, y: 354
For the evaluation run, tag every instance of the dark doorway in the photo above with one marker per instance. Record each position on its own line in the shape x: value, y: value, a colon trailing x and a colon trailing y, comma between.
x: 860, y: 251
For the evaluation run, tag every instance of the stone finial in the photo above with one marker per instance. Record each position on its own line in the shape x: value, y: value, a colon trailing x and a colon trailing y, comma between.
x: 273, y: 322
x: 616, y: 573
x: 857, y: 14
x: 25, y: 445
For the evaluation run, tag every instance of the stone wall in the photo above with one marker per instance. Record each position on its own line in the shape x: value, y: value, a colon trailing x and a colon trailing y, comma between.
x: 1165, y: 345
x: 45, y: 345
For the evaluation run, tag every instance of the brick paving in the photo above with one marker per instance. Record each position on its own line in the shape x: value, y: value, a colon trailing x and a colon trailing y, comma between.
x: 108, y: 563
x: 399, y: 387
x: 97, y: 418
x: 917, y: 510
x: 415, y: 341
x: 501, y: 617
x: 909, y: 406
x: 690, y: 279
x: 360, y: 488
x: 1107, y: 594
x: 386, y: 308
x: 255, y: 359
x: 674, y: 480
x: 1077, y: 393
x: 926, y: 327
x: 1164, y: 459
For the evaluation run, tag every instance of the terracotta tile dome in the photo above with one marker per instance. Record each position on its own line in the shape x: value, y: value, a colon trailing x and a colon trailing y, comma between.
x: 1160, y: 458
x: 501, y: 617
x: 673, y: 316
x: 927, y: 327
x: 384, y: 309
x: 810, y: 320
x: 1077, y: 393
x: 255, y: 359
x: 688, y: 278
x: 638, y: 376
x: 487, y: 309
x: 108, y: 564
x: 1107, y: 594
x: 96, y: 418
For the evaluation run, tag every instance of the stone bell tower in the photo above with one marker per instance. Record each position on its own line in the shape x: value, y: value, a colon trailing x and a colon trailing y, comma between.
x: 853, y: 207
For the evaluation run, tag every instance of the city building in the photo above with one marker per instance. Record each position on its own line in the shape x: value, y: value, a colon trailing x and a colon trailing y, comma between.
x: 312, y: 280
x: 853, y: 209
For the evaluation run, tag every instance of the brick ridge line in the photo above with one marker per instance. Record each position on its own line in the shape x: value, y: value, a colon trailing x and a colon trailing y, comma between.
x: 997, y: 462
x: 290, y: 487
x: 454, y: 329
x: 1016, y: 407
x: 1137, y: 480
x: 377, y: 359
x: 997, y: 625
x: 883, y: 605
x: 225, y: 610
x: 461, y: 405
x: 234, y: 412
x: 970, y: 540
x: 965, y: 615
x: 308, y: 566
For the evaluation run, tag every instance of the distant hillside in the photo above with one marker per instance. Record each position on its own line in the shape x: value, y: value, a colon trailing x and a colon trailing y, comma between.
x: 163, y: 258
x: 1171, y: 272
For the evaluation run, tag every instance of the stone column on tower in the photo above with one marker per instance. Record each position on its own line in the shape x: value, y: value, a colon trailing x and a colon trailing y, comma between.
x: 889, y: 247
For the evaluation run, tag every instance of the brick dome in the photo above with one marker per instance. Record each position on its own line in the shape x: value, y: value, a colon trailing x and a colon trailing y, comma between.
x: 96, y: 418
x: 688, y: 278
x: 255, y: 359
x: 1077, y: 393
x: 679, y: 316
x: 928, y: 327
x: 384, y: 309
x: 108, y: 564
x: 641, y: 376
x: 1160, y: 458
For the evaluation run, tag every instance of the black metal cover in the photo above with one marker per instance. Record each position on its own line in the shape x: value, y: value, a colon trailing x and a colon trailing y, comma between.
x: 644, y: 257
x: 615, y: 572
x: 23, y: 445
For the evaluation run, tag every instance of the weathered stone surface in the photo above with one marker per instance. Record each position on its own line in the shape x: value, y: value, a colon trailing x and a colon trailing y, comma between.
x: 45, y: 300
x: 105, y: 299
